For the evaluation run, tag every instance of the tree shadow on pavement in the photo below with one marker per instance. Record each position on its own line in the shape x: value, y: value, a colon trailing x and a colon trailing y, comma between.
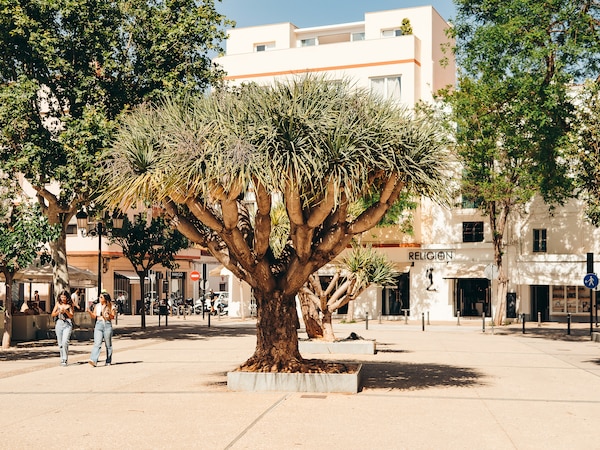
x: 554, y: 333
x: 184, y: 331
x: 30, y: 354
x: 404, y: 376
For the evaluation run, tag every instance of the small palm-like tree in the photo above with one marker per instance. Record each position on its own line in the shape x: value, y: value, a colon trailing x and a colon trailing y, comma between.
x: 358, y: 270
x: 318, y: 144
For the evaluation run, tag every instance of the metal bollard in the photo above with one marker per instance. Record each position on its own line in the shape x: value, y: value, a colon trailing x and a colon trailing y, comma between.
x: 569, y: 323
x: 379, y: 316
x: 539, y: 319
x: 367, y: 320
x: 405, y: 317
x: 209, y: 319
x: 428, y: 318
x: 523, y: 322
x: 483, y: 321
x: 458, y: 318
x: 423, y: 321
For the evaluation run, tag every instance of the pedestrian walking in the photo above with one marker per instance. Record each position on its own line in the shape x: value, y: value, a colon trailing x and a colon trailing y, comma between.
x: 104, y: 313
x: 75, y: 298
x: 63, y: 311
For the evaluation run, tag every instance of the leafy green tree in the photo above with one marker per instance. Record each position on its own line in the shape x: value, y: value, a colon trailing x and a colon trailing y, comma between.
x: 357, y: 270
x: 318, y: 145
x: 585, y: 149
x: 146, y: 243
x: 68, y: 69
x: 511, y: 106
x: 24, y: 231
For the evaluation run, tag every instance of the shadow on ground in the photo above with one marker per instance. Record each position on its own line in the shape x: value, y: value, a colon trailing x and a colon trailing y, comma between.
x: 552, y: 333
x: 29, y: 354
x: 41, y: 349
x: 403, y: 376
x: 184, y: 331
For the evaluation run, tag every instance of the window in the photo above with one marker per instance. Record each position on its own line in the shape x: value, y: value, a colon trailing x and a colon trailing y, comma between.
x: 308, y: 42
x: 539, y: 240
x: 570, y: 299
x: 391, y: 33
x: 72, y: 230
x: 472, y: 231
x: 357, y: 36
x: 264, y: 47
x: 386, y: 87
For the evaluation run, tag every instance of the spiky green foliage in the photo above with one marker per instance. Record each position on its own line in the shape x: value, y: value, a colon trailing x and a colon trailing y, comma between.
x: 318, y: 145
x: 369, y: 267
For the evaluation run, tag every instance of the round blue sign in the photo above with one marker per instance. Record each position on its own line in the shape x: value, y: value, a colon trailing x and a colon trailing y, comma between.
x: 590, y: 280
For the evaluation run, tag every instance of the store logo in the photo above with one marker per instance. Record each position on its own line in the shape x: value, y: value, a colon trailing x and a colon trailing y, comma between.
x: 438, y: 255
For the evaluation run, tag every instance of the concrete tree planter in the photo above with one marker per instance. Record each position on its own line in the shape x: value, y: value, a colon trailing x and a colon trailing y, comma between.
x: 351, y: 347
x: 348, y: 383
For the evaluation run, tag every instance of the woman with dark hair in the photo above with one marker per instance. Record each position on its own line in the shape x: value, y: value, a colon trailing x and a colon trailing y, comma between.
x: 63, y: 311
x: 104, y: 313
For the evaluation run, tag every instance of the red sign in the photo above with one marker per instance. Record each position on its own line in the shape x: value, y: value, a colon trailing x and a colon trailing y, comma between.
x: 195, y: 275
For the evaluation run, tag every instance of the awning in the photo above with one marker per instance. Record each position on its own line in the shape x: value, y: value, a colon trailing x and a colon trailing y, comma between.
x: 133, y: 277
x: 44, y: 274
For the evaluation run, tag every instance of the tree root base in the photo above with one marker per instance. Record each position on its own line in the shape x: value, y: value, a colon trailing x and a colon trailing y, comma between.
x: 297, y: 366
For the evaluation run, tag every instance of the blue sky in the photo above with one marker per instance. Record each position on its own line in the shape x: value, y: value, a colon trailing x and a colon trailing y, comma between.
x: 312, y: 13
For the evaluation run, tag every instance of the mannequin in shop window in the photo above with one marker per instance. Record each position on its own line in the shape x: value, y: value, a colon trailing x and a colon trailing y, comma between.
x: 429, y: 275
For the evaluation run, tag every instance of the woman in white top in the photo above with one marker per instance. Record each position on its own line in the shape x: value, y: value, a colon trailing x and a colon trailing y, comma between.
x: 104, y: 313
x: 63, y: 311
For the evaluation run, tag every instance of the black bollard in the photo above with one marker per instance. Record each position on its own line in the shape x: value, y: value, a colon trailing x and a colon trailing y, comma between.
x: 569, y: 323
x: 367, y: 320
x: 483, y: 321
x: 423, y: 321
x: 523, y: 322
x: 209, y: 319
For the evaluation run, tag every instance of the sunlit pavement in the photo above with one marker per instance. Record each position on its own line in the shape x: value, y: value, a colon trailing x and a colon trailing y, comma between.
x: 430, y: 385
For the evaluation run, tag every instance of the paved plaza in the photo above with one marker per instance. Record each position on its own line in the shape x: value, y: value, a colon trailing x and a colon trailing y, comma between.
x: 448, y: 387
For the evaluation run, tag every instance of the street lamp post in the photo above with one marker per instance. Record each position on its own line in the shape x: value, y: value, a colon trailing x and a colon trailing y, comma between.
x: 97, y: 230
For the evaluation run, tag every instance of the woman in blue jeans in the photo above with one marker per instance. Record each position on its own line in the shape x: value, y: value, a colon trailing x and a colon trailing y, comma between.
x: 63, y: 311
x: 104, y: 313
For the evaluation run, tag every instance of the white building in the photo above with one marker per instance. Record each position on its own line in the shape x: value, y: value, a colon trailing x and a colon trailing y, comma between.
x: 446, y: 263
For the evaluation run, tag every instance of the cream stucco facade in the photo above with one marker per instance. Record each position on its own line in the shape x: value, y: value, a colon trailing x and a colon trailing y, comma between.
x: 447, y: 262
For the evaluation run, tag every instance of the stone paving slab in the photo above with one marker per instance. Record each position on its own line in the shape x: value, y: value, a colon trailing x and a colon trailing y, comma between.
x: 447, y: 387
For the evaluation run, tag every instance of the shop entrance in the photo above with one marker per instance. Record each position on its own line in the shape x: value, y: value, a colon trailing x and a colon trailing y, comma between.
x: 394, y: 300
x: 472, y: 297
x: 540, y: 302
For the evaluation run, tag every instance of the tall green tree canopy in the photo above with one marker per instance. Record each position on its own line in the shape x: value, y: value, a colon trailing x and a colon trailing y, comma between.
x: 147, y: 242
x: 69, y: 68
x: 318, y: 145
x: 585, y: 149
x: 512, y: 104
x: 24, y: 232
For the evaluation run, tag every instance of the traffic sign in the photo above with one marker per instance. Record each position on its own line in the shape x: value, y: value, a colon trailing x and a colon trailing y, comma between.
x: 490, y: 271
x: 195, y: 275
x: 590, y: 280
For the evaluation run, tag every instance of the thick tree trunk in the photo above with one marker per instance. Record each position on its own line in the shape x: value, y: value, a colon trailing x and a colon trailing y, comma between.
x: 310, y: 315
x: 277, y: 339
x: 58, y: 251
x: 276, y: 335
x: 500, y: 300
x: 350, y: 313
x: 7, y: 335
x: 328, y: 334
